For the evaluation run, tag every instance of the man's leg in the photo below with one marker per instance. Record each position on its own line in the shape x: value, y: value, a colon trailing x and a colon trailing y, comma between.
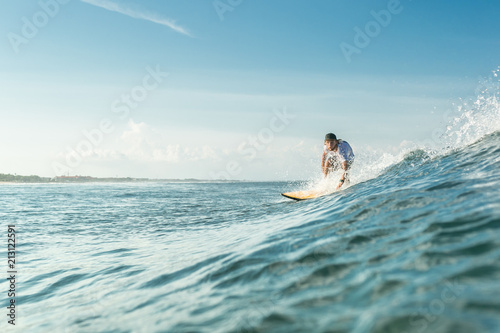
x: 347, y: 178
x: 328, y: 167
x: 331, y: 165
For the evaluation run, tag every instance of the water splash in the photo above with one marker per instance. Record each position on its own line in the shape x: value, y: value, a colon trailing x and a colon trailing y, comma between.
x: 478, y: 116
x: 470, y: 120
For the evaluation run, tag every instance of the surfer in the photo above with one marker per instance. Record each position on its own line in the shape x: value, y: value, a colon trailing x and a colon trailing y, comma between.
x: 337, y: 154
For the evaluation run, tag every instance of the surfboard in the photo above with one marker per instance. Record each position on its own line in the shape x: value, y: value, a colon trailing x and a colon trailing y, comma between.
x: 305, y: 195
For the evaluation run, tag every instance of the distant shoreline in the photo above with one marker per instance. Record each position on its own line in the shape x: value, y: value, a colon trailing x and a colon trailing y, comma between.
x: 15, y: 179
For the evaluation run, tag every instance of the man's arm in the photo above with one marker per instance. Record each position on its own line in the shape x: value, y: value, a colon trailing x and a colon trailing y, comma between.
x: 323, y: 164
x: 344, y: 166
x: 342, y: 178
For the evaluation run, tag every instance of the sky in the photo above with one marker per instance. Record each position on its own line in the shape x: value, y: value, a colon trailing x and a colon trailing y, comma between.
x: 229, y: 89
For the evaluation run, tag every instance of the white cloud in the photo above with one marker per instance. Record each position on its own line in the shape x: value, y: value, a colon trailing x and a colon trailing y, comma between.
x: 115, y: 7
x: 141, y: 142
x: 143, y: 150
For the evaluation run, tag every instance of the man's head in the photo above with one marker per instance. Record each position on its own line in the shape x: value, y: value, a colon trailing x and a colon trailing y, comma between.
x: 330, y: 136
x: 331, y: 141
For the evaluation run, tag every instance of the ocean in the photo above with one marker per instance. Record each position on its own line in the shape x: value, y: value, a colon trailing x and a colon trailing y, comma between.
x: 412, y: 245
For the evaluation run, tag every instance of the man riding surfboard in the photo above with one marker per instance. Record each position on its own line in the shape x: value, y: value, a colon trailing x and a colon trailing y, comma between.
x: 337, y: 154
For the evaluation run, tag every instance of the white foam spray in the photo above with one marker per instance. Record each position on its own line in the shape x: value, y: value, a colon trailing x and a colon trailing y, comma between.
x: 470, y: 120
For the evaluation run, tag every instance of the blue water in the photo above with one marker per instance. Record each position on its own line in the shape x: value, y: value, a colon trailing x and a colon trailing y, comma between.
x: 414, y: 249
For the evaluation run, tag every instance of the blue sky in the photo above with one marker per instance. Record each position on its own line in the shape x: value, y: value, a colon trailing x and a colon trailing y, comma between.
x: 227, y: 79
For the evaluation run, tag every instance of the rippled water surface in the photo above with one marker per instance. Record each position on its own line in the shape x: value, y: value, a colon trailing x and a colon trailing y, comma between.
x: 416, y: 249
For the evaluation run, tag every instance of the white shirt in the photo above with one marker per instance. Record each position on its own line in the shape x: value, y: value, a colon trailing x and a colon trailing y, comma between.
x: 344, y: 152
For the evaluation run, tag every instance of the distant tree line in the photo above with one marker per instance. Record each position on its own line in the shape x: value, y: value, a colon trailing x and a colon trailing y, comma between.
x: 23, y: 179
x: 8, y: 178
